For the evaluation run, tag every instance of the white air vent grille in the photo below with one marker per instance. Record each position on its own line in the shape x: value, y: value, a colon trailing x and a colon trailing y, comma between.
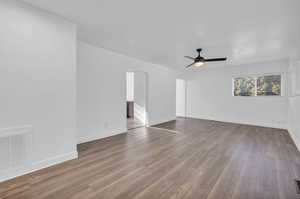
x: 15, y: 149
x: 4, y: 153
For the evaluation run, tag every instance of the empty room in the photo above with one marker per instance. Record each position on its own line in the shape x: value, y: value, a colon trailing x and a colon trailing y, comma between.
x: 106, y: 99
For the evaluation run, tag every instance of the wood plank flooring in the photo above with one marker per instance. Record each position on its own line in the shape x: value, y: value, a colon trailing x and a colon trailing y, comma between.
x: 204, y: 159
x: 133, y: 123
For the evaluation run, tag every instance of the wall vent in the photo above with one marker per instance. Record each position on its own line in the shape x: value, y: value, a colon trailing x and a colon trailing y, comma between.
x: 15, y: 149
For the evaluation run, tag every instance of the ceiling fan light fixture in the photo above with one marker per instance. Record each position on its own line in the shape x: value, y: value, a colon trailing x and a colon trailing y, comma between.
x: 199, y: 63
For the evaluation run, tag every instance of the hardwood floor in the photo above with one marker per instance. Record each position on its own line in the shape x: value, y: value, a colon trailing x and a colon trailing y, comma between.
x: 204, y: 159
x: 133, y: 123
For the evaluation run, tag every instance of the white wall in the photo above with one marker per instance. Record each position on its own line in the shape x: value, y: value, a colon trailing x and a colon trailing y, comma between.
x: 209, y: 96
x: 37, y: 81
x: 140, y: 79
x: 294, y: 102
x: 294, y: 119
x: 102, y: 92
x: 180, y: 98
x: 130, y: 86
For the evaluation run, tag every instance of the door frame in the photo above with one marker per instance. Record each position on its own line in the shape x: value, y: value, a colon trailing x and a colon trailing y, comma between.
x: 146, y: 93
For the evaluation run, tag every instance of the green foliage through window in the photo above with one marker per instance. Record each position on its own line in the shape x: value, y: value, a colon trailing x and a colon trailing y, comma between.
x: 244, y: 86
x: 269, y: 85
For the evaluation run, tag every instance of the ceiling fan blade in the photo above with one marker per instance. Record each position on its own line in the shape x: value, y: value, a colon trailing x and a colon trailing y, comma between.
x: 189, y: 65
x: 189, y: 57
x: 216, y: 59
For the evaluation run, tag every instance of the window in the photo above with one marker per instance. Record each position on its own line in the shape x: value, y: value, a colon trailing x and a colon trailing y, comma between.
x: 266, y: 85
x: 244, y: 86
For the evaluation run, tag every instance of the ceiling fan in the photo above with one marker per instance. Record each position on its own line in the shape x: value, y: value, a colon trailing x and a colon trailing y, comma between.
x: 199, y: 60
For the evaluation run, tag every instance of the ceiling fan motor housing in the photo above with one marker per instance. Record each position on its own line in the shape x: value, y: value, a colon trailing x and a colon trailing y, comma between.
x: 199, y: 58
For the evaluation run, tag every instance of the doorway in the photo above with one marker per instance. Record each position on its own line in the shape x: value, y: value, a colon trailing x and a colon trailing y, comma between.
x: 181, y: 98
x: 136, y: 103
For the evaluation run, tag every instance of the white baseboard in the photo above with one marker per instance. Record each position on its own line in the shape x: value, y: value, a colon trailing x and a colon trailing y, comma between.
x: 161, y: 121
x: 295, y: 139
x: 39, y: 165
x: 55, y: 160
x: 99, y: 136
x: 115, y: 132
x: 262, y: 124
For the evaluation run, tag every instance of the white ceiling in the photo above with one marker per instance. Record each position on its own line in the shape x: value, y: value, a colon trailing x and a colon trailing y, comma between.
x: 163, y: 31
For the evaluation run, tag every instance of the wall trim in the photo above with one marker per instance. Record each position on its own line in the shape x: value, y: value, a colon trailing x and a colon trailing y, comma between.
x: 100, y: 136
x: 261, y: 124
x: 40, y: 165
x: 117, y: 132
x: 162, y: 122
